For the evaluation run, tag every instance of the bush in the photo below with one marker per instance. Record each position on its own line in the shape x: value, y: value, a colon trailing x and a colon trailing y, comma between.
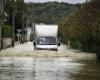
x: 7, y: 31
x: 82, y: 28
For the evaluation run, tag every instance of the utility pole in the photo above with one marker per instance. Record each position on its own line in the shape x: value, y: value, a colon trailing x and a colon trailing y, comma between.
x: 0, y: 38
x: 1, y: 11
x: 13, y: 23
x: 1, y: 7
x: 23, y: 28
x: 1, y: 21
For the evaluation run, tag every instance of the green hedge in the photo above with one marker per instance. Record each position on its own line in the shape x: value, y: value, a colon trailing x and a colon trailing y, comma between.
x: 82, y: 28
x: 7, y: 31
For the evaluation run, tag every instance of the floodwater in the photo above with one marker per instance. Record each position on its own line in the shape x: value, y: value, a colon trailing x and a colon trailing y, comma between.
x: 90, y: 71
x: 27, y: 68
x: 24, y: 68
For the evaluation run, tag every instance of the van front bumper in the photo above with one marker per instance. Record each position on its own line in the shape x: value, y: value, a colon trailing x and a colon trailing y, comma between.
x: 47, y: 47
x: 54, y: 49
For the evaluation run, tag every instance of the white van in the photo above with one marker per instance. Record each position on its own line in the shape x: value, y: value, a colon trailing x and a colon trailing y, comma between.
x: 46, y: 37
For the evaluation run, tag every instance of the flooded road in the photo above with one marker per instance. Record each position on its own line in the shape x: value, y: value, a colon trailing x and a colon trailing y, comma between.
x: 90, y: 71
x: 25, y: 68
x: 23, y: 63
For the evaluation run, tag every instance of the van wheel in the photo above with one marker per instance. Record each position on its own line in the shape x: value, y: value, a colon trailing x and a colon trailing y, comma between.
x: 55, y: 49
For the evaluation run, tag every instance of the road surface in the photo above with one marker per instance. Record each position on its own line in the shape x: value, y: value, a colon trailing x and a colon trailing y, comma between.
x: 27, y: 50
x: 23, y: 63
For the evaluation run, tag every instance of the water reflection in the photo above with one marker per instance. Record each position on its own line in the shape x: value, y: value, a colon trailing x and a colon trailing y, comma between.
x: 24, y: 68
x: 90, y: 71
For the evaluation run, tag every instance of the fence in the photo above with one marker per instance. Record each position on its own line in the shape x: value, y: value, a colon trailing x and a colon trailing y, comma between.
x: 4, y: 40
x: 6, y: 37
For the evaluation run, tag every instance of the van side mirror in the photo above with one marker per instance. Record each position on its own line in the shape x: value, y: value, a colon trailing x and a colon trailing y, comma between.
x: 58, y: 44
x: 34, y: 43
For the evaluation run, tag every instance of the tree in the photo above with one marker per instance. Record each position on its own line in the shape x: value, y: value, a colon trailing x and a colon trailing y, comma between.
x: 18, y: 7
x: 82, y: 27
x: 49, y: 12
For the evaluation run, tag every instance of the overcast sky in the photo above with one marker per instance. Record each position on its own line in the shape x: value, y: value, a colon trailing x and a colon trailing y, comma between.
x: 69, y: 1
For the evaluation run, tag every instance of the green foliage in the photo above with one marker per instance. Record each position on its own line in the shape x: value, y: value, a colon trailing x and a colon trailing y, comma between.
x: 6, y: 31
x: 19, y: 12
x: 18, y: 8
x: 50, y: 12
x: 82, y: 27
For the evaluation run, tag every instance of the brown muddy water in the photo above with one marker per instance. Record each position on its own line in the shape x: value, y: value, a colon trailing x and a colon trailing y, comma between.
x: 27, y: 68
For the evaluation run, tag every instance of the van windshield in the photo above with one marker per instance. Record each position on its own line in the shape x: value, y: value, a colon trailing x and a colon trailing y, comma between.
x: 46, y: 41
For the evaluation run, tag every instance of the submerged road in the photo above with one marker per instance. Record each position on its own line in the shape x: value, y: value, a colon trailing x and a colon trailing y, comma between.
x: 37, y: 68
x: 70, y: 65
x: 27, y: 50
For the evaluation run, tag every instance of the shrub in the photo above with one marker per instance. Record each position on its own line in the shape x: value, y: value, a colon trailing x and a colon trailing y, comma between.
x: 6, y: 31
x: 82, y: 28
